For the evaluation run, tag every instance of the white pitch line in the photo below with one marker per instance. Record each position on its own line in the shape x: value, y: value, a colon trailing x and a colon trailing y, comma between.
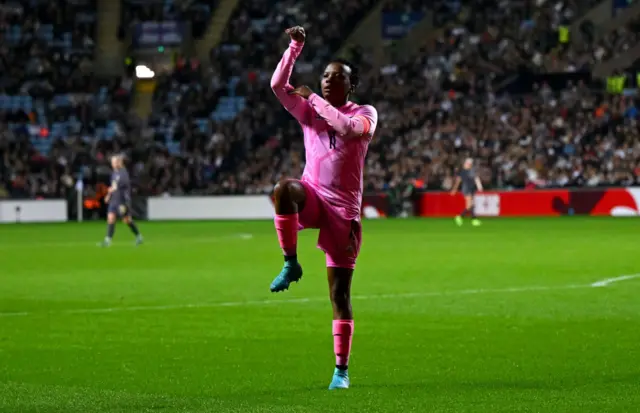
x: 296, y: 300
x: 607, y: 281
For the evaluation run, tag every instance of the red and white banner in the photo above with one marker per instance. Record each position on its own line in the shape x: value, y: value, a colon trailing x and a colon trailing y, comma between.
x: 542, y: 202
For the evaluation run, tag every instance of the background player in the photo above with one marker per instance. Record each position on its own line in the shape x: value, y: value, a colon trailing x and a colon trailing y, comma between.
x: 470, y: 183
x: 337, y: 133
x: 119, y: 200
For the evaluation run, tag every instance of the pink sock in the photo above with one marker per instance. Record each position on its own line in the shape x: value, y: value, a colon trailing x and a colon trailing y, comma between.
x: 287, y: 229
x: 342, y: 333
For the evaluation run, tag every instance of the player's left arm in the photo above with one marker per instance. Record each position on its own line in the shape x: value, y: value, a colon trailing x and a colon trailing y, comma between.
x: 478, y: 184
x: 114, y: 186
x: 362, y: 123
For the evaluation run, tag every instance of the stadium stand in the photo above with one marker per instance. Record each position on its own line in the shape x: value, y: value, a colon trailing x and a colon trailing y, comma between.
x: 245, y: 60
x: 397, y: 6
x: 49, y: 93
x: 216, y: 127
x: 442, y: 11
x: 595, y: 51
x: 196, y: 13
x: 515, y: 34
x: 508, y: 21
x: 238, y: 81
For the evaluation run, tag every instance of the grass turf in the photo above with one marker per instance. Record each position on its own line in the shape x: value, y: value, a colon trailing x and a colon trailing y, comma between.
x: 500, y: 318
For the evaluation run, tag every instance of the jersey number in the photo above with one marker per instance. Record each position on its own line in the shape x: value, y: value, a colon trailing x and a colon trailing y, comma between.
x: 332, y: 139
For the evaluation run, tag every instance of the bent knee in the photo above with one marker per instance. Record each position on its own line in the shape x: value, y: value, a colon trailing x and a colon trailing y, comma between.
x: 288, y: 189
x: 280, y: 188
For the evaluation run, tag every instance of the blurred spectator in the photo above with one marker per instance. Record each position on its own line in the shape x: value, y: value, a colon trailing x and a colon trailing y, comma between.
x: 51, y: 103
x: 196, y: 13
x: 594, y: 49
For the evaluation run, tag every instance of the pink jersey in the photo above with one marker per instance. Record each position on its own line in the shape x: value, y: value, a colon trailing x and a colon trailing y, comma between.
x: 335, y: 139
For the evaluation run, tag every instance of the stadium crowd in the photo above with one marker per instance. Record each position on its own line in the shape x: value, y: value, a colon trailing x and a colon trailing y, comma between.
x: 53, y: 107
x: 593, y: 48
x: 196, y: 12
x: 495, y: 40
x: 434, y: 110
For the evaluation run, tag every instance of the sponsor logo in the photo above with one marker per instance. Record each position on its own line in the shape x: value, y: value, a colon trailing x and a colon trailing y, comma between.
x: 487, y: 205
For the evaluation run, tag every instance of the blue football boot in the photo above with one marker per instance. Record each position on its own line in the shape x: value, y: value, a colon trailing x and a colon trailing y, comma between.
x: 291, y: 272
x: 340, y: 379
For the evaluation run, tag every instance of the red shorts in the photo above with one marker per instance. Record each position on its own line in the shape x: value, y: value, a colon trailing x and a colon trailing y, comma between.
x: 339, y: 237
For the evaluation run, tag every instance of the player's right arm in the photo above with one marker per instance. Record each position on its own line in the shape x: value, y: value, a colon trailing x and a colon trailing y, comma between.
x: 296, y: 105
x: 112, y: 189
x: 456, y: 184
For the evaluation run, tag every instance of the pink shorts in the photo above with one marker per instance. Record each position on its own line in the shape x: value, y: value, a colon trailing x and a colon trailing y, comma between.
x: 339, y: 237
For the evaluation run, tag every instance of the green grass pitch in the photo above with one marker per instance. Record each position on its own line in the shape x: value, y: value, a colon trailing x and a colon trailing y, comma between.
x: 501, y: 318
